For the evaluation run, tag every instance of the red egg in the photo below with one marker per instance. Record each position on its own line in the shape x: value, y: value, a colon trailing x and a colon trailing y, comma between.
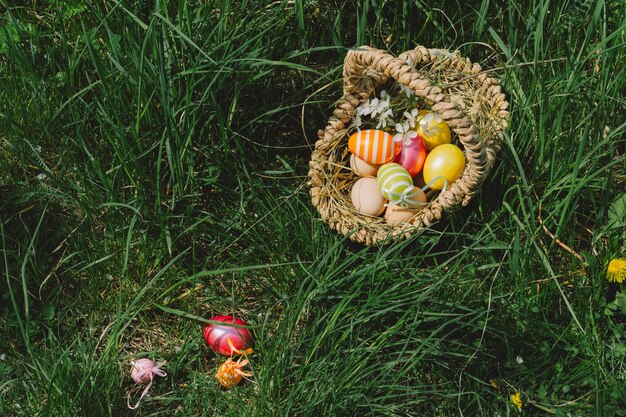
x: 412, y: 156
x: 217, y: 335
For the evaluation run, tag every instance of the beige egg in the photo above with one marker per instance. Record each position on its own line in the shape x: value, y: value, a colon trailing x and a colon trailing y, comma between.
x: 396, y: 215
x: 367, y: 198
x: 362, y: 168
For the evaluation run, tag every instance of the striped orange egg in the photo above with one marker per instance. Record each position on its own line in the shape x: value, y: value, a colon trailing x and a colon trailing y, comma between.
x: 373, y: 146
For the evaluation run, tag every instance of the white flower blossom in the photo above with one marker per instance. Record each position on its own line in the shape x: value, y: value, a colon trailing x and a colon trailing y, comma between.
x: 407, y: 90
x: 382, y: 105
x: 358, y: 121
x: 444, y: 52
x: 410, y: 117
x: 430, y: 123
x: 376, y: 107
x: 404, y: 133
x: 385, y: 118
x: 364, y: 109
x: 385, y: 101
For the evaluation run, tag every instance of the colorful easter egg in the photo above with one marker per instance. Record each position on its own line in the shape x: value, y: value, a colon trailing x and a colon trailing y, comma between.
x: 362, y: 168
x: 412, y: 156
x: 217, y: 335
x: 445, y: 161
x: 433, y: 129
x: 373, y: 146
x: 396, y: 185
x: 367, y: 198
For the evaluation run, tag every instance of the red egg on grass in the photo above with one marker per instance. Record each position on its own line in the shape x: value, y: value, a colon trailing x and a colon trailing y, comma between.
x: 412, y: 156
x: 217, y: 335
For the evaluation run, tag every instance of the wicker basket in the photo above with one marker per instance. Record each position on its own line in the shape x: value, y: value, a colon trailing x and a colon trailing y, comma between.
x: 470, y: 102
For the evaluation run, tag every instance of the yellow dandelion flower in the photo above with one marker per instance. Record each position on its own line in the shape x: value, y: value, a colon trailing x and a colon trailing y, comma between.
x: 616, y: 272
x: 516, y: 399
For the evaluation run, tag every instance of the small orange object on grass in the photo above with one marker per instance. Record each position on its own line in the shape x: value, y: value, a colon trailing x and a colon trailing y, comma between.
x: 229, y: 373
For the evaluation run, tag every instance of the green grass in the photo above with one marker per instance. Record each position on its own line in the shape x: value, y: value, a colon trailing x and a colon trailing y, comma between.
x: 153, y: 164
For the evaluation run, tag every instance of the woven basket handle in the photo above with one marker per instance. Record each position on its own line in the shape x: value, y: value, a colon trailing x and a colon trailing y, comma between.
x: 367, y: 68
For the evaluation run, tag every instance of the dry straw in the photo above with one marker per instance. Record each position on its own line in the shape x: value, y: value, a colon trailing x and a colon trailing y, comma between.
x: 470, y: 101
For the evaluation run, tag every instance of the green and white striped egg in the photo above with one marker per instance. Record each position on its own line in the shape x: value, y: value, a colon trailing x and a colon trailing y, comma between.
x: 393, y: 181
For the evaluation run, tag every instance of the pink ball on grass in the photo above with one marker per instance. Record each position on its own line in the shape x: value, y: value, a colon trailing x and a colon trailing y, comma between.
x: 142, y: 370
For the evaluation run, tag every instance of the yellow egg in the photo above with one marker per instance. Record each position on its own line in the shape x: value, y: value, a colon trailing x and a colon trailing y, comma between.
x: 445, y: 161
x: 362, y: 168
x: 395, y: 214
x: 367, y: 198
x: 433, y: 129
